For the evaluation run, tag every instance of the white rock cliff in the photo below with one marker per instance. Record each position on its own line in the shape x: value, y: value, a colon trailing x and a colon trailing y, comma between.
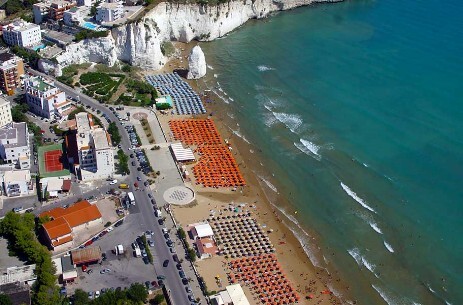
x: 196, y: 63
x: 140, y: 43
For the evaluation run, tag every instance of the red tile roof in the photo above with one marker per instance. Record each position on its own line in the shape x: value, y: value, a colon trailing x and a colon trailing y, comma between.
x: 65, y: 219
x: 66, y: 185
x: 62, y: 241
x: 57, y: 228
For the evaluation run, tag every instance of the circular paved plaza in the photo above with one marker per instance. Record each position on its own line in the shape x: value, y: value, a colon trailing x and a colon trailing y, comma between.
x: 179, y: 195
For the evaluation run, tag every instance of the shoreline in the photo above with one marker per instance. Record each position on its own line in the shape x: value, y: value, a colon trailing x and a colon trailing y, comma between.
x: 291, y: 251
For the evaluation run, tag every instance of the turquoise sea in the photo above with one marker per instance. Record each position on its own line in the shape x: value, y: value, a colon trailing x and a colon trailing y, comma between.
x: 356, y: 110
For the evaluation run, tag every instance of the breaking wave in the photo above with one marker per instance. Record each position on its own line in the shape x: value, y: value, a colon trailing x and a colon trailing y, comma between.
x: 388, y: 246
x: 309, y: 148
x: 269, y: 184
x: 354, y: 196
x: 263, y: 68
x: 291, y: 121
x: 361, y: 260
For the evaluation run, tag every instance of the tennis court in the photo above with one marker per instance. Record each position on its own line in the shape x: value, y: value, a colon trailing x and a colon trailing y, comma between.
x: 52, y: 162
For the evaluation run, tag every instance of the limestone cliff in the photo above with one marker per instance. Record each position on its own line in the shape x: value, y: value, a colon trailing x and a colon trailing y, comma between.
x: 139, y: 43
x: 196, y: 63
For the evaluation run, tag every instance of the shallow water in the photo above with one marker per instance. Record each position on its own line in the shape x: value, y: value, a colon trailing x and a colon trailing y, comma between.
x: 357, y: 110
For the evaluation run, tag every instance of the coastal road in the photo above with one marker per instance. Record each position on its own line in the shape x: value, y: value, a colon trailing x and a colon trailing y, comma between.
x: 150, y: 222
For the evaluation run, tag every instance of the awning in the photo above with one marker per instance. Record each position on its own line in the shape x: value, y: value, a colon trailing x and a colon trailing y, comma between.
x: 182, y: 154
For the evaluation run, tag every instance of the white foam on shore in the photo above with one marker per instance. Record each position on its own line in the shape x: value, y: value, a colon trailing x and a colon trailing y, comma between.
x: 388, y: 246
x: 263, y: 68
x: 291, y: 121
x: 354, y: 196
x: 269, y: 184
x: 385, y: 296
x: 375, y: 227
x: 303, y: 237
x: 210, y: 67
x: 239, y: 135
x: 309, y: 148
x: 362, y: 261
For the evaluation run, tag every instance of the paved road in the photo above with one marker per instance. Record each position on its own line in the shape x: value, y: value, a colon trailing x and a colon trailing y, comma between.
x: 149, y: 221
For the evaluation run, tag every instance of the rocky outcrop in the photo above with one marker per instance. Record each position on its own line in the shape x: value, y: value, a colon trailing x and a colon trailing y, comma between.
x: 196, y: 63
x: 140, y: 43
x: 49, y: 67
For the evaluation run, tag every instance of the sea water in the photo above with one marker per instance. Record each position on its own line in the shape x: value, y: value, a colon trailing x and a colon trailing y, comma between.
x: 356, y: 110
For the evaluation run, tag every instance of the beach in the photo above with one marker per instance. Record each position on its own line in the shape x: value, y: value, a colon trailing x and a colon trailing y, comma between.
x: 307, y: 279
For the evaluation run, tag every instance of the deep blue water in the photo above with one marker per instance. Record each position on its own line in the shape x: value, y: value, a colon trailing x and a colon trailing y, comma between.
x: 358, y: 110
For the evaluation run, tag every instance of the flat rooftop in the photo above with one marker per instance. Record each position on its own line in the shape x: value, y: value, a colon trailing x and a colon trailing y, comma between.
x: 14, y: 131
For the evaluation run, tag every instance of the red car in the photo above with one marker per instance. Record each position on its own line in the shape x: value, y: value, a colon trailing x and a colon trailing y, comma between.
x: 135, y: 184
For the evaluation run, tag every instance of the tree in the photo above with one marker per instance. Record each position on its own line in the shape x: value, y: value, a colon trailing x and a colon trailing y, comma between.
x: 158, y: 299
x: 137, y: 293
x: 114, y: 133
x: 80, y: 297
x: 5, y: 300
x: 18, y: 113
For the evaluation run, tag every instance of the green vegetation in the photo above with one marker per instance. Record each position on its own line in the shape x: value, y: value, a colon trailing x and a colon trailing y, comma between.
x: 30, y: 57
x: 147, y: 249
x: 190, y: 251
x: 87, y: 34
x: 167, y: 48
x: 57, y: 131
x: 18, y: 112
x: 147, y: 130
x: 123, y: 166
x: 138, y: 94
x: 14, y: 6
x: 158, y: 299
x: 19, y: 230
x: 114, y: 133
x: 5, y: 300
x: 99, y: 85
x: 70, y: 71
x: 136, y: 294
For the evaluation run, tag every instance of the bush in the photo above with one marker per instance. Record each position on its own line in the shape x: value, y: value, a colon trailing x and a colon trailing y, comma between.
x: 87, y: 34
x: 114, y: 133
x: 107, y: 224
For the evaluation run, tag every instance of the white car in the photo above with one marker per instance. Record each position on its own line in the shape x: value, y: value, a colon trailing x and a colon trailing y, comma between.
x: 97, y: 294
x: 113, y: 182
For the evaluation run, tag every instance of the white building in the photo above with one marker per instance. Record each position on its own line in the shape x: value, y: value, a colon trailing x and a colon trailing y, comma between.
x: 109, y: 12
x: 22, y: 33
x: 14, y: 145
x: 5, y: 112
x: 94, y: 149
x: 86, y: 2
x: 45, y: 99
x: 233, y: 295
x: 16, y: 183
x: 76, y: 15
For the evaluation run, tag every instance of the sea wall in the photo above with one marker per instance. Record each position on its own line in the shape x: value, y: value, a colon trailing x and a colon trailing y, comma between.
x: 139, y: 43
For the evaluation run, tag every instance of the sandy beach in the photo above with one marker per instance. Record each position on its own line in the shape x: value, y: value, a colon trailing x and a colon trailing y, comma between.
x: 306, y: 279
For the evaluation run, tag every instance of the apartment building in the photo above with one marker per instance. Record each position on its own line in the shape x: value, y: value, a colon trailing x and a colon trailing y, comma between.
x: 45, y: 99
x: 11, y: 69
x: 86, y: 2
x: 109, y: 12
x: 75, y: 15
x: 16, y: 183
x: 22, y: 33
x: 57, y: 9
x: 5, y: 112
x: 15, y: 145
x: 92, y: 149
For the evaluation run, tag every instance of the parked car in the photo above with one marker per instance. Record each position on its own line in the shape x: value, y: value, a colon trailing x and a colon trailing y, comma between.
x: 165, y: 263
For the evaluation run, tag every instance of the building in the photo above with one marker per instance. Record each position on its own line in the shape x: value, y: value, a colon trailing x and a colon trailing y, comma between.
x: 90, y: 149
x: 76, y: 15
x: 16, y: 183
x: 45, y: 99
x: 22, y: 33
x: 57, y: 9
x: 86, y: 2
x: 86, y: 256
x: 40, y: 11
x: 18, y: 293
x: 5, y: 112
x: 65, y: 269
x: 23, y: 275
x: 15, y: 146
x: 66, y: 221
x: 11, y: 70
x: 202, y: 230
x: 232, y: 295
x: 109, y: 12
